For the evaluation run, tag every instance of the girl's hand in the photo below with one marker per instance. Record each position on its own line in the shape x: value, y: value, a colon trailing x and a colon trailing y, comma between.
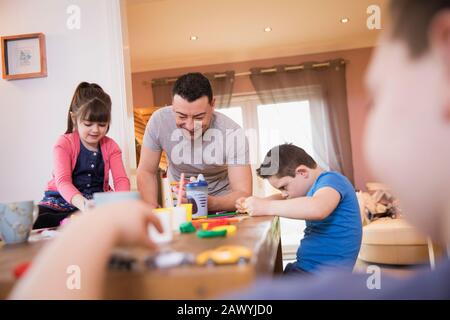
x: 240, y: 205
x: 80, y: 202
x: 256, y: 206
x: 128, y: 221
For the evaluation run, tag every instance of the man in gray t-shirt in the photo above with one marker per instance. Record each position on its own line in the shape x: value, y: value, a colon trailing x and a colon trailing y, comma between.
x: 196, y: 140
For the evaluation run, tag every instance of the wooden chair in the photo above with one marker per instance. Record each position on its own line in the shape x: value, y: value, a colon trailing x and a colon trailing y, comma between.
x: 394, y: 241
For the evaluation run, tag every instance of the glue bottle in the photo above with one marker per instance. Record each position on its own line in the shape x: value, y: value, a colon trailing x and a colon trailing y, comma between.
x: 197, y: 194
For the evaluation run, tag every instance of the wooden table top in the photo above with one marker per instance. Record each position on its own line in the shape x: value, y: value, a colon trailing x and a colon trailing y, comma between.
x: 260, y: 234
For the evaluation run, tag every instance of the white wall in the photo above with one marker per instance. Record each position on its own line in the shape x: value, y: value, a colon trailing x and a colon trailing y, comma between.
x: 33, y: 111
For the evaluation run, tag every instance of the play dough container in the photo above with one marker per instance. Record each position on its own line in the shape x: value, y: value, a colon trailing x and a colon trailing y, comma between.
x: 197, y: 195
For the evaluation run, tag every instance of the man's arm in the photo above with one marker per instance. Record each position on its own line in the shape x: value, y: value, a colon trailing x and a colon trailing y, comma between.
x: 240, y: 178
x: 317, y: 207
x: 147, y: 175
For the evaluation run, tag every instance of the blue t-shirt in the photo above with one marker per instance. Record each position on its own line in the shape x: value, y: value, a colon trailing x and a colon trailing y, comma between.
x: 335, y: 240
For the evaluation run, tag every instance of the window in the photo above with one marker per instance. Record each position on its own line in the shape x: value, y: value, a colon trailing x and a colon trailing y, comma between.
x: 283, y: 123
x: 234, y: 113
x: 270, y: 125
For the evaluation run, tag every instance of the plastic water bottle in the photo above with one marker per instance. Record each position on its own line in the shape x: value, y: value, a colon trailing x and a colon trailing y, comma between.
x: 197, y: 194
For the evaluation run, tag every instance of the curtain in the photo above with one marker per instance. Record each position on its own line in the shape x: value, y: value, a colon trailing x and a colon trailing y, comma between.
x: 221, y: 83
x: 162, y: 92
x: 222, y: 86
x: 324, y: 86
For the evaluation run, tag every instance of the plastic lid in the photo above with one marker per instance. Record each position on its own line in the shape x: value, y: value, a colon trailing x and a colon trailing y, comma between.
x: 202, y: 183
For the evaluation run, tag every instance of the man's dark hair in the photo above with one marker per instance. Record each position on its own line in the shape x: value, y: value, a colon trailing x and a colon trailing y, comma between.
x: 411, y: 21
x: 282, y: 160
x: 193, y: 86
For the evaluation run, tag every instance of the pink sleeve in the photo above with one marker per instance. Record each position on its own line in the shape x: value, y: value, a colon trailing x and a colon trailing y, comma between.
x: 62, y: 162
x: 121, y: 181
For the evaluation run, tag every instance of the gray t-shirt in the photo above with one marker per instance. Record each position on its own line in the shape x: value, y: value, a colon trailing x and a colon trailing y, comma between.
x: 223, y: 144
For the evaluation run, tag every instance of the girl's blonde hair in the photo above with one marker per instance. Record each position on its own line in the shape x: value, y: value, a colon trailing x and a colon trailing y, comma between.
x: 89, y: 103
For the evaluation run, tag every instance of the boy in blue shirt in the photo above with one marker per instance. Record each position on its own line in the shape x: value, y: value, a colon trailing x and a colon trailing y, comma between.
x: 325, y: 199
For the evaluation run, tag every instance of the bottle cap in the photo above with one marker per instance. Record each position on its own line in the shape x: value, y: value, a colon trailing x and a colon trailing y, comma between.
x: 197, y: 184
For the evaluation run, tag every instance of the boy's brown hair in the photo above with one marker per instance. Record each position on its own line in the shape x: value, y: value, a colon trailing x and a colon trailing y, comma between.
x: 282, y: 160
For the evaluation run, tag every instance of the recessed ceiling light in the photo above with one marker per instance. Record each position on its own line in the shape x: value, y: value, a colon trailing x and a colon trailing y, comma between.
x: 267, y: 29
x: 345, y: 20
x: 193, y: 38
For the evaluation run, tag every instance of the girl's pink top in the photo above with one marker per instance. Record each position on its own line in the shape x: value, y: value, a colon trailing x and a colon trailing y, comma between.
x: 65, y: 154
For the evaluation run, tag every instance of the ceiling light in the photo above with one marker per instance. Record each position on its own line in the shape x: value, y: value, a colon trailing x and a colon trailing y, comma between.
x: 345, y: 20
x: 193, y: 38
x: 267, y: 29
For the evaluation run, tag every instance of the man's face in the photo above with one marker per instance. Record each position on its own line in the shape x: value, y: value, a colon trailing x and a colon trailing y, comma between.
x: 408, y: 136
x: 194, y: 117
x: 292, y: 187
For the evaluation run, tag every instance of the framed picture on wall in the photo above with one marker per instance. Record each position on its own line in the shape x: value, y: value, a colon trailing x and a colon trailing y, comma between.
x: 24, y: 56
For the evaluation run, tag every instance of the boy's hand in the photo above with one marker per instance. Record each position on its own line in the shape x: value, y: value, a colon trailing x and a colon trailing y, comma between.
x: 256, y: 206
x: 240, y: 205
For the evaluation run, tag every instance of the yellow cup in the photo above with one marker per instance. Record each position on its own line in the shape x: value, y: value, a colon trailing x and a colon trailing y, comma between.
x: 188, y: 207
x: 159, y: 210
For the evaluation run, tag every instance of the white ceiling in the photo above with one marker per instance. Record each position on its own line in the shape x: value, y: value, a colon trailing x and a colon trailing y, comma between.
x: 233, y: 30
